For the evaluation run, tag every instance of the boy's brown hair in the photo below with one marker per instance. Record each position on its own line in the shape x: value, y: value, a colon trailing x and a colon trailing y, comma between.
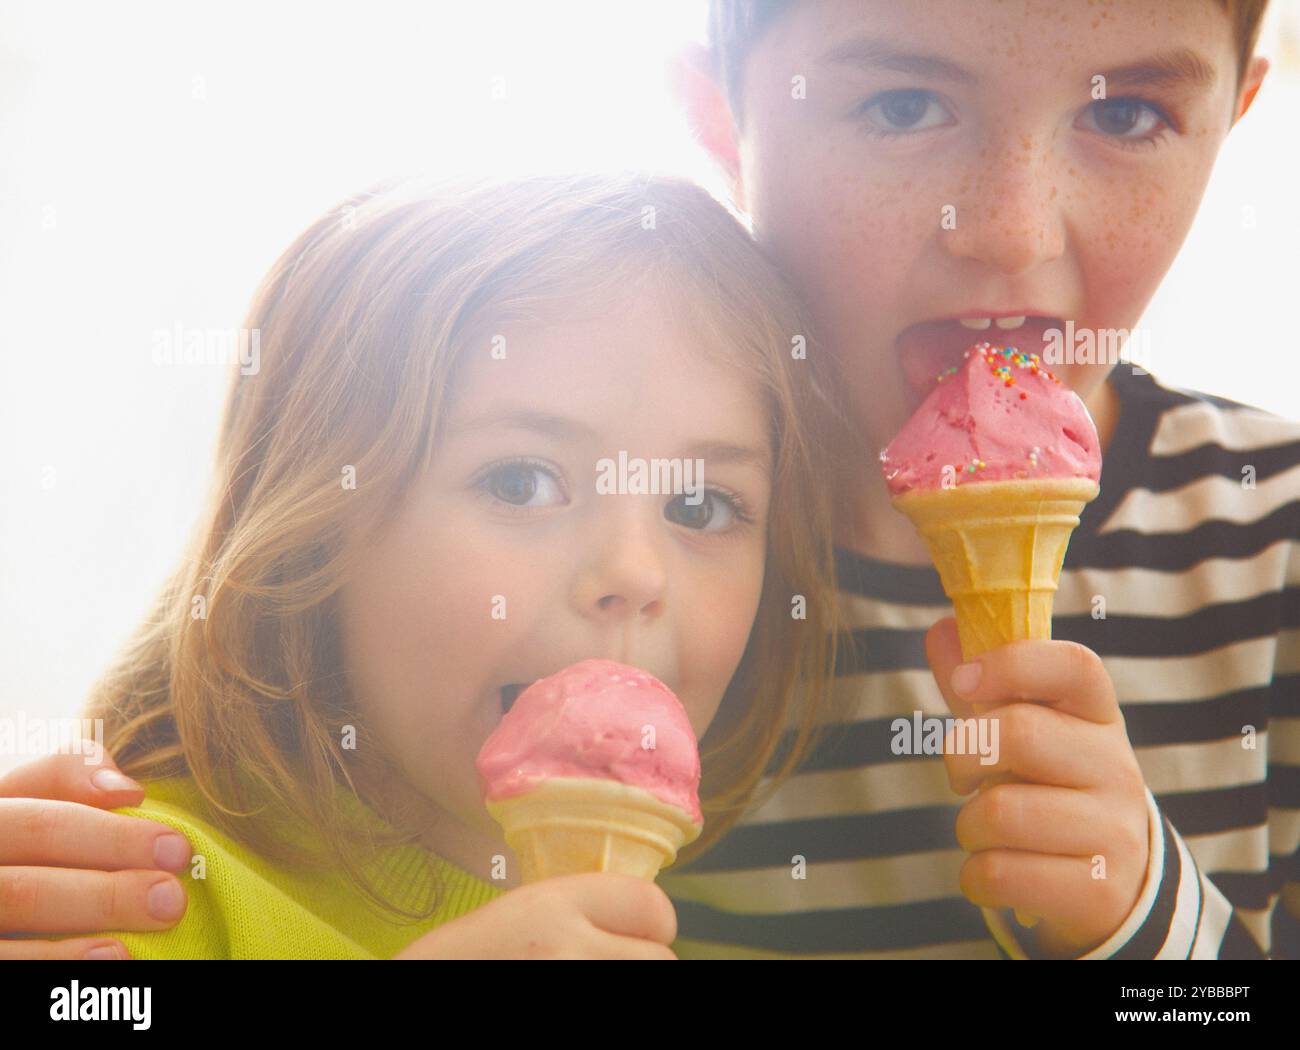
x: 735, y: 25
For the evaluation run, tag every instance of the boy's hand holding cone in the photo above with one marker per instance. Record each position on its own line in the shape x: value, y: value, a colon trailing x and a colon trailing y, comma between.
x: 1068, y: 788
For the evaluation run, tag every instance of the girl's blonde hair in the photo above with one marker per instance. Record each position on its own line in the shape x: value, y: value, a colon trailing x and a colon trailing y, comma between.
x: 236, y: 680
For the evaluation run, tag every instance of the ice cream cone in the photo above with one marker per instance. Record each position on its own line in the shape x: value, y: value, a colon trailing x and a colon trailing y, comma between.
x: 1028, y: 459
x: 570, y: 825
x: 999, y: 546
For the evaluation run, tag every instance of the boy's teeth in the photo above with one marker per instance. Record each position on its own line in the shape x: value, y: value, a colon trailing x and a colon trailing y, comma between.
x: 979, y: 324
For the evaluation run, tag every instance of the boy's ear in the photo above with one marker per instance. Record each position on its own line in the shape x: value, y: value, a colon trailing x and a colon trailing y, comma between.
x: 1250, y: 85
x: 708, y: 114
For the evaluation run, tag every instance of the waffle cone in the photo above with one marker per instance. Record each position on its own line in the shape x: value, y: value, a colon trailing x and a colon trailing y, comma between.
x: 571, y: 825
x: 999, y: 546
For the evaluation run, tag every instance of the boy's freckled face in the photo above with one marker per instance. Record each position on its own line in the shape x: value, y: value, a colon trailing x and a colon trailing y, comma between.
x: 666, y: 582
x: 1064, y: 206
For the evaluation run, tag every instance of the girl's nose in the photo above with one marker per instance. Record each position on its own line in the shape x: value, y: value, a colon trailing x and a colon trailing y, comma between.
x: 1011, y: 220
x: 625, y: 575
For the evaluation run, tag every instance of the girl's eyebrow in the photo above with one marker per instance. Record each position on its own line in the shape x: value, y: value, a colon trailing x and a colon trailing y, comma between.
x: 725, y: 452
x: 565, y: 429
x: 546, y: 423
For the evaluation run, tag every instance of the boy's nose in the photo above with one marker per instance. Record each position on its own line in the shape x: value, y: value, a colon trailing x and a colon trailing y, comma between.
x: 1011, y: 219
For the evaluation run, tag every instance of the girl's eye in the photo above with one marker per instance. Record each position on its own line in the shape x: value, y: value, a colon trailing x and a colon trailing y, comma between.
x: 898, y: 112
x: 703, y: 517
x: 524, y: 484
x: 1130, y: 121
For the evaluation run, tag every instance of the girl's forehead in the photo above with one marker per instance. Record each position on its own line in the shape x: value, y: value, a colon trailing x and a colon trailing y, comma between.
x: 619, y: 347
x: 604, y: 386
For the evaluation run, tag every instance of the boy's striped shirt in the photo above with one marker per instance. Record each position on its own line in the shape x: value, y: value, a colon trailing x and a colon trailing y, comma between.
x: 1192, y: 546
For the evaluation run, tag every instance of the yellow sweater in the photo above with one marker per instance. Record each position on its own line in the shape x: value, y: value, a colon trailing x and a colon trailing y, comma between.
x: 246, y: 908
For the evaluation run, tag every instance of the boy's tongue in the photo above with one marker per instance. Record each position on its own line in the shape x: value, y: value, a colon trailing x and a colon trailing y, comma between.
x: 927, y: 350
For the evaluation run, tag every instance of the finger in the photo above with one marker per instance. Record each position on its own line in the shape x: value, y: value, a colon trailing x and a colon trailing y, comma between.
x: 42, y: 901
x: 1063, y: 889
x: 1029, y: 742
x: 72, y: 778
x: 943, y: 653
x: 1034, y: 818
x: 650, y: 916
x: 1069, y: 676
x: 611, y: 946
x: 71, y: 948
x: 39, y: 833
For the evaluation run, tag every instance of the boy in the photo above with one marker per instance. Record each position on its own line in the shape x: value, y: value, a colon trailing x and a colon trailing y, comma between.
x: 938, y: 173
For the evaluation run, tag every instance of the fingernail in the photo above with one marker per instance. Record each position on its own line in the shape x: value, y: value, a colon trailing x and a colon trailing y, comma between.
x: 112, y: 780
x: 966, y: 678
x: 103, y: 951
x: 166, y: 900
x: 171, y: 852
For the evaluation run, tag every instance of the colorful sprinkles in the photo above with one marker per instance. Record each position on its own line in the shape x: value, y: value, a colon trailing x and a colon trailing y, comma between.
x: 1001, y: 362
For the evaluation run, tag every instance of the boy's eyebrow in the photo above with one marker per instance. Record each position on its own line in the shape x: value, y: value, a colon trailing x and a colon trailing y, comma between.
x: 1182, y: 66
x: 872, y: 51
x: 551, y: 425
x: 1170, y: 68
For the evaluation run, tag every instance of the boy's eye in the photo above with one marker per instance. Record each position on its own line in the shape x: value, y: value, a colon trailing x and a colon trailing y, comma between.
x: 1124, y: 118
x: 907, y: 110
x: 517, y: 484
x: 702, y: 516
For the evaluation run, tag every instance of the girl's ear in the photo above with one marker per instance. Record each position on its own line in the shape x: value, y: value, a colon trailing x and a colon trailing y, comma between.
x: 704, y: 104
x: 1250, y: 85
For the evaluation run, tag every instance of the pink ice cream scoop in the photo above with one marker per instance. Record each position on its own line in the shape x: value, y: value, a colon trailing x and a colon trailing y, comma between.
x: 594, y: 720
x: 1000, y: 415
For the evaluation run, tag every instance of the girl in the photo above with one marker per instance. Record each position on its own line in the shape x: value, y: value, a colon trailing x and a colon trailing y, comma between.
x: 404, y: 527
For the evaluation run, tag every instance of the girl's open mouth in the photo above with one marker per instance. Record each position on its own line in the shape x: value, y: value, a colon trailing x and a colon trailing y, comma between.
x: 510, y: 693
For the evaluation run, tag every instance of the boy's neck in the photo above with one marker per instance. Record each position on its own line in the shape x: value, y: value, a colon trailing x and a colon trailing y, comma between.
x: 873, y: 528
x: 1103, y: 405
